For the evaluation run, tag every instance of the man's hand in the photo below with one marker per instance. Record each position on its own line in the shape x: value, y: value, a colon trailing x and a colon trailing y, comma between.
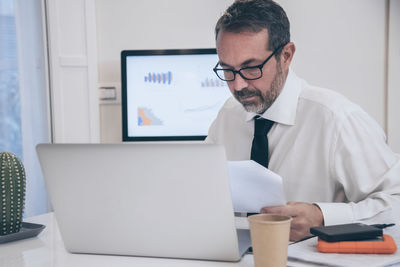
x: 305, y: 215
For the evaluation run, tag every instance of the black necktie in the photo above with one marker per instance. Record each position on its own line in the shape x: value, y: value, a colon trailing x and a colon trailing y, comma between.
x: 259, y: 148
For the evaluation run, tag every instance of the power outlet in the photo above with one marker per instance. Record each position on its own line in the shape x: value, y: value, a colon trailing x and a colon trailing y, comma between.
x: 109, y: 93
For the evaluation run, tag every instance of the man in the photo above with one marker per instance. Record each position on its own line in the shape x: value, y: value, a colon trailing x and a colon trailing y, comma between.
x: 335, y: 164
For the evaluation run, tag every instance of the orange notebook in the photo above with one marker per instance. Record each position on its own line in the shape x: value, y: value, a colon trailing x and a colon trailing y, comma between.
x: 384, y: 245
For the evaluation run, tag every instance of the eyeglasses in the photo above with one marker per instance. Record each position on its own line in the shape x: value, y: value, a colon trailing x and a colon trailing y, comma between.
x: 247, y: 73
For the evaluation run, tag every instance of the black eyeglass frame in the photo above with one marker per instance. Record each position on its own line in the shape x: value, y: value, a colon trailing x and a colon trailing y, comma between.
x: 261, y: 66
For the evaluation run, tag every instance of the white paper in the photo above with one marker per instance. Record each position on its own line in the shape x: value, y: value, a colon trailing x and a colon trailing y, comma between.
x: 253, y: 186
x: 306, y: 251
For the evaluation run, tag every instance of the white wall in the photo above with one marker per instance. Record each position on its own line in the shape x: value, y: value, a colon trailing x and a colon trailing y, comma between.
x: 393, y: 94
x: 152, y: 24
x: 341, y: 44
x: 71, y: 39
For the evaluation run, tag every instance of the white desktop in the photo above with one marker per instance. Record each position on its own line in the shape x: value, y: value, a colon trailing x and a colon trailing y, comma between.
x: 47, y: 250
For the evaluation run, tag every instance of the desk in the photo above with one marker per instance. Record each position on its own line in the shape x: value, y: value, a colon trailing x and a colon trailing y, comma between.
x: 47, y: 250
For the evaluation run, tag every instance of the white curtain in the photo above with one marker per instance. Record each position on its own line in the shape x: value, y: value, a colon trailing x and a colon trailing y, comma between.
x: 10, y: 109
x: 24, y: 119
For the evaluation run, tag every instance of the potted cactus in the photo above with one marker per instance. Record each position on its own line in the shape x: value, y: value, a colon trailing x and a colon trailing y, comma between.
x: 12, y: 192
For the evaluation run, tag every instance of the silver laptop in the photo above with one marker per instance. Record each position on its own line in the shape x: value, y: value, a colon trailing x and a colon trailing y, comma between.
x: 142, y: 199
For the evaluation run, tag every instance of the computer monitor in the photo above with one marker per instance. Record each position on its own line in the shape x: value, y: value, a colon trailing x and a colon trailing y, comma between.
x: 169, y: 95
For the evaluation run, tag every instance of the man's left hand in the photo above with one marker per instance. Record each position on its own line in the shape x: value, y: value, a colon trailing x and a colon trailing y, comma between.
x: 305, y: 215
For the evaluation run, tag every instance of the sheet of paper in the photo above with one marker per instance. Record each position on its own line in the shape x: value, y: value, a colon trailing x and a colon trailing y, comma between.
x: 253, y: 186
x: 306, y: 251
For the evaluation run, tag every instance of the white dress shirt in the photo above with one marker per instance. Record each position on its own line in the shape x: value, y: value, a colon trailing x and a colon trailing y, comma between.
x: 327, y: 150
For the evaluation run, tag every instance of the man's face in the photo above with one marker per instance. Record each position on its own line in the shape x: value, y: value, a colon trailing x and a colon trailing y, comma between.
x: 247, y: 49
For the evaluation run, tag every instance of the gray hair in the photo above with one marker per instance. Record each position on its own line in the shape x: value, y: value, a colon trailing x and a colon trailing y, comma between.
x: 254, y: 16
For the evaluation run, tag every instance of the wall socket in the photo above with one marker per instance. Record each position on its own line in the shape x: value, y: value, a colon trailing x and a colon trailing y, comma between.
x: 109, y: 93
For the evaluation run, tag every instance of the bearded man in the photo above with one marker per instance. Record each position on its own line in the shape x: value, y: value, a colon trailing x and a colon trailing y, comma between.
x: 333, y: 157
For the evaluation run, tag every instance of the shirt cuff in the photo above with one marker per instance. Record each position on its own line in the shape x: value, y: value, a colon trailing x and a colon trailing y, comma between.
x: 336, y: 213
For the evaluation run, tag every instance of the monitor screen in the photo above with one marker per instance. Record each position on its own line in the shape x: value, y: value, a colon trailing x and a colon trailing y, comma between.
x: 170, y: 94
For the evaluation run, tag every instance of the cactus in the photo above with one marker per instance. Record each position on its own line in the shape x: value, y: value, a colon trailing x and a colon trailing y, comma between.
x: 12, y: 188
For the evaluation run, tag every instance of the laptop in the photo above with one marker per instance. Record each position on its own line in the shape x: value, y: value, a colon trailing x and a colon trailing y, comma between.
x: 143, y: 199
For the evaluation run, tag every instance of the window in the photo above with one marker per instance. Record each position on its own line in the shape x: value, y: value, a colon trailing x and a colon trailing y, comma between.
x: 10, y: 107
x: 24, y: 120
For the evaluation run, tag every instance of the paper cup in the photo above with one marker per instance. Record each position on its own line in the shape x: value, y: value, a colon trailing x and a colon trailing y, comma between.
x: 270, y: 239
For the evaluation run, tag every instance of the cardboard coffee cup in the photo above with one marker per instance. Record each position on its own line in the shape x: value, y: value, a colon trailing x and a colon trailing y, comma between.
x: 270, y: 239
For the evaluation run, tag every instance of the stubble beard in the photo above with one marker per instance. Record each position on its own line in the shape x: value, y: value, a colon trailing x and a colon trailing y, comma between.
x: 266, y: 99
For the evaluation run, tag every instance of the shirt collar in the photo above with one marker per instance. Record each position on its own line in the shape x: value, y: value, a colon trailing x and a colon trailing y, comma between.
x: 283, y: 110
